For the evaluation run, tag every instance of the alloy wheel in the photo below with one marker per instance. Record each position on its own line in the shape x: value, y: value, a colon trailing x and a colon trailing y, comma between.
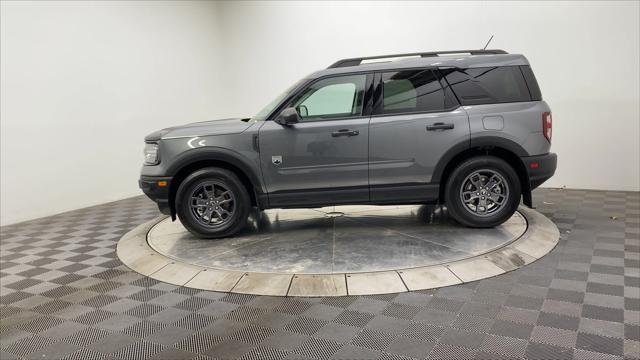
x: 484, y: 192
x: 212, y: 204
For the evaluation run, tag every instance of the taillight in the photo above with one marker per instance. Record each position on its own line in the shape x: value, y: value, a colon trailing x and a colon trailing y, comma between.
x: 547, y: 125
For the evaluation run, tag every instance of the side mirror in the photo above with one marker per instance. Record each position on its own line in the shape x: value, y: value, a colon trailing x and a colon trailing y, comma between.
x: 288, y: 116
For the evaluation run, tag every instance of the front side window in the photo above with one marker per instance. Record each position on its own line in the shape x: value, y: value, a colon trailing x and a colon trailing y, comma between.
x: 335, y: 97
x: 410, y: 91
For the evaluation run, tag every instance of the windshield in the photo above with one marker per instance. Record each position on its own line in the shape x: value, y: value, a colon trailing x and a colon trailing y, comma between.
x: 262, y: 114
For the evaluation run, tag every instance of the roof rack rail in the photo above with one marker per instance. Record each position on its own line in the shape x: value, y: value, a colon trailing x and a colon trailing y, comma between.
x: 358, y: 61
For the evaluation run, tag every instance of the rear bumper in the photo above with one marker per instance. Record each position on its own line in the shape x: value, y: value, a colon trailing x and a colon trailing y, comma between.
x: 157, y: 189
x: 540, y: 168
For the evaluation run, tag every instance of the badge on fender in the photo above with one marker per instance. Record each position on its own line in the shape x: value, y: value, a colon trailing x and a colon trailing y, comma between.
x: 199, y: 143
x: 276, y: 160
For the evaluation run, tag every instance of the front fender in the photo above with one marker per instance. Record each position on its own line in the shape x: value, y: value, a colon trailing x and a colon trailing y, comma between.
x: 214, y: 153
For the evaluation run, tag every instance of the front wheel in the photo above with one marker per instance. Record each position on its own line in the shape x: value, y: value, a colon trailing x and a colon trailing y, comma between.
x: 482, y: 192
x: 212, y: 203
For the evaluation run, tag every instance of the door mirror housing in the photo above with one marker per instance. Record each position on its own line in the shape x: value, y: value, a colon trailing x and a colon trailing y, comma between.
x: 288, y: 116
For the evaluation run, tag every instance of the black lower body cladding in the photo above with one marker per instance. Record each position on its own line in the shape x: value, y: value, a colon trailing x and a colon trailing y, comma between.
x: 540, y: 168
x: 157, y: 189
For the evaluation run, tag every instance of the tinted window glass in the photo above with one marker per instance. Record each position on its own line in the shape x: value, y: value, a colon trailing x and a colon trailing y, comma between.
x: 532, y: 83
x: 334, y: 97
x: 450, y: 100
x: 412, y: 91
x: 475, y: 86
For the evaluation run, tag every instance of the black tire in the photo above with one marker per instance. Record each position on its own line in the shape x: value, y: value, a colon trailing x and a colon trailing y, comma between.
x: 200, y: 182
x: 481, y: 168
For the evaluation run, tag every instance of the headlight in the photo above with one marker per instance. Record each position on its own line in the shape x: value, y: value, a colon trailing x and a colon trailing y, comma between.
x: 151, y: 156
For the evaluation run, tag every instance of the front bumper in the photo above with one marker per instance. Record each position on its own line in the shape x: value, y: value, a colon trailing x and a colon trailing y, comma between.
x: 540, y: 168
x: 157, y: 189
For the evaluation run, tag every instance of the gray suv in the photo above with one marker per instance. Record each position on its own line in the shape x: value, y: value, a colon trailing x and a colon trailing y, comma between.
x: 467, y: 129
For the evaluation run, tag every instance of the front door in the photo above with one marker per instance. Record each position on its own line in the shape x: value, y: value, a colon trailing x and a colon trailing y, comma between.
x: 323, y: 159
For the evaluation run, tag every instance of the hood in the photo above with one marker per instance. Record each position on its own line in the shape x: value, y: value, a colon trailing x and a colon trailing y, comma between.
x: 203, y: 128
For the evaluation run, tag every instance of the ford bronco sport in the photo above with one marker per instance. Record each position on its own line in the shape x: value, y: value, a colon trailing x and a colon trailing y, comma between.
x: 467, y: 129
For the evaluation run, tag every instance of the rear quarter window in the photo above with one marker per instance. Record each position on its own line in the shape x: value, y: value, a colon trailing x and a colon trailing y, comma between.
x: 488, y: 85
x: 532, y: 83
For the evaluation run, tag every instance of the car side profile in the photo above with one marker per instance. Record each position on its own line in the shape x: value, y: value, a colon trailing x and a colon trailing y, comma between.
x: 467, y: 129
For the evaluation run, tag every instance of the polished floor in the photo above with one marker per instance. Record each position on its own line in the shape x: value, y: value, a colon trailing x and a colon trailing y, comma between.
x: 64, y: 294
x: 342, y: 239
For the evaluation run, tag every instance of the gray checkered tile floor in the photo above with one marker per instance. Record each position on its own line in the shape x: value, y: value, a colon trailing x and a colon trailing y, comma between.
x: 64, y: 294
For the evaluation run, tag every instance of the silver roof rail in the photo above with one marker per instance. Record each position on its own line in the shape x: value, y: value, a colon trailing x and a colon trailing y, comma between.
x: 358, y: 61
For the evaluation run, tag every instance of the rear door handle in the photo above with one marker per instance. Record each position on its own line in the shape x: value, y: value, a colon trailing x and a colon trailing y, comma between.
x: 439, y: 126
x: 345, y: 132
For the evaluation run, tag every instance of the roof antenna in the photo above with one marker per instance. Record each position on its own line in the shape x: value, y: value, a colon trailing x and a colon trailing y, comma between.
x: 485, y: 47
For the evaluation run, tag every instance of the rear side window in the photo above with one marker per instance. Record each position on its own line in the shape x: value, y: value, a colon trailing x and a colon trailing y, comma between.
x: 410, y: 91
x: 488, y: 85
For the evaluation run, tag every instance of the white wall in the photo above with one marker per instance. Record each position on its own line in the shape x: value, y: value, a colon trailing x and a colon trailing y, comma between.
x: 584, y: 54
x: 82, y: 82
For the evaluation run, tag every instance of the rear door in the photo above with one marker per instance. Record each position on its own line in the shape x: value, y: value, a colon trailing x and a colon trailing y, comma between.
x: 323, y: 159
x: 416, y: 119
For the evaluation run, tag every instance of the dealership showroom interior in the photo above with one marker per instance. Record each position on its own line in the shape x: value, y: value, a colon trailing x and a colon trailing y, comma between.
x: 320, y: 180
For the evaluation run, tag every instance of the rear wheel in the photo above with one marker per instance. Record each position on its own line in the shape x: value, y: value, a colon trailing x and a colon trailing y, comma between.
x: 483, y: 191
x: 212, y: 203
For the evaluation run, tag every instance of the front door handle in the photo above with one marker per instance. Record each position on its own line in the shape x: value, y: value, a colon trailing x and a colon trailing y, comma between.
x: 345, y: 132
x: 439, y: 126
